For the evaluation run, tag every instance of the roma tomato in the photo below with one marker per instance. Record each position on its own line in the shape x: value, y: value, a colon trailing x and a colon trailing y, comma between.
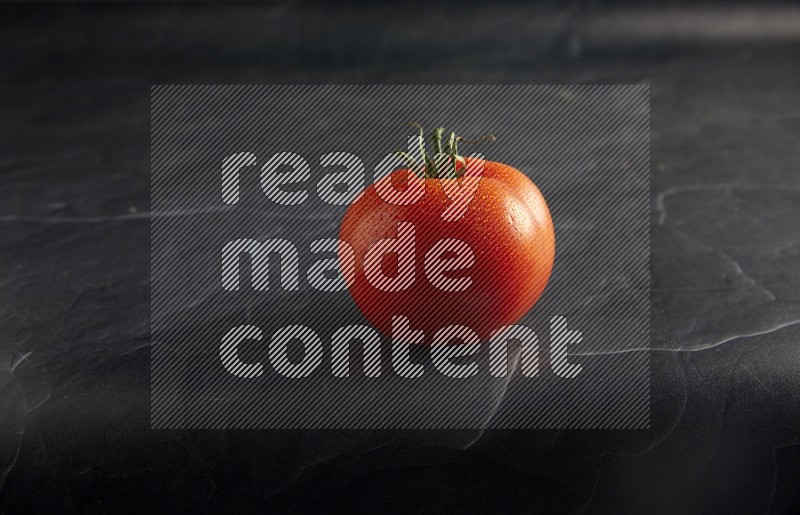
x: 497, y: 255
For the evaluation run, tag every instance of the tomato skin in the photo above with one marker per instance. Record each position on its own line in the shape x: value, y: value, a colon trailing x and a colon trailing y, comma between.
x: 508, y: 228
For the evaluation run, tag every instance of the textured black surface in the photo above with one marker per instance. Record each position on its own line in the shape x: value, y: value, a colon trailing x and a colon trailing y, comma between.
x: 74, y: 314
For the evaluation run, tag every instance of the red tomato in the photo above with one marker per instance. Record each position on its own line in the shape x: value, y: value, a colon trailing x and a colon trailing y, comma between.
x: 507, y: 226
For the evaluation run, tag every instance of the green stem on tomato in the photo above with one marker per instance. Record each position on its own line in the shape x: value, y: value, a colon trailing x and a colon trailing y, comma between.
x: 429, y: 164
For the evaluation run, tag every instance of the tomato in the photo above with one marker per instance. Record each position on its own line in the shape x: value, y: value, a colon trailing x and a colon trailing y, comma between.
x: 507, y: 228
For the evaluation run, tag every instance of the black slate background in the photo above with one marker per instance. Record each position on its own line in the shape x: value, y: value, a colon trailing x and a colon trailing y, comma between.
x: 74, y: 271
